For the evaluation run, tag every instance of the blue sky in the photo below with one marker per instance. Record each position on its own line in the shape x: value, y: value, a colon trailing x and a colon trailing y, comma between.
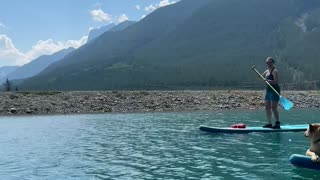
x: 32, y: 28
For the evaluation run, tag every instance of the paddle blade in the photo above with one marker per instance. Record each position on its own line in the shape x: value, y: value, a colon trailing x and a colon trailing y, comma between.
x: 285, y: 103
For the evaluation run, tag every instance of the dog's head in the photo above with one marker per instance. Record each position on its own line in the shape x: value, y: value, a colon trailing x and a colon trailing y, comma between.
x: 313, y: 131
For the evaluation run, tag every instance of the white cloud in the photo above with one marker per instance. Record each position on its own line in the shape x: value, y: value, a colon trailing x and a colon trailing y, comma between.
x: 151, y: 7
x: 9, y: 55
x: 100, y: 16
x: 143, y: 16
x: 123, y: 17
x: 138, y: 7
x: 50, y: 46
x: 91, y: 28
x: 77, y: 43
x: 165, y: 3
x: 162, y: 3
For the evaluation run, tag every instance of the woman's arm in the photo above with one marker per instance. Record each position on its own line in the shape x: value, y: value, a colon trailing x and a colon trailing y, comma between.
x: 265, y: 73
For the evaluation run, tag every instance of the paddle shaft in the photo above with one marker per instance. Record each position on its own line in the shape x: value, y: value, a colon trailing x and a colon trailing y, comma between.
x: 253, y: 68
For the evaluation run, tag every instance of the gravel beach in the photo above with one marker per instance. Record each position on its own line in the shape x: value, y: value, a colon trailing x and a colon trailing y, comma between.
x: 73, y: 102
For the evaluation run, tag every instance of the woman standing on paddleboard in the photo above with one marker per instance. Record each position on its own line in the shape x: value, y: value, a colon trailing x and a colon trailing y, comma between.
x: 271, y: 75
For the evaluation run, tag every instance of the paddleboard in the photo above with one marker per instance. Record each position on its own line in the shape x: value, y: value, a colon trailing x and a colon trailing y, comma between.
x: 303, y: 162
x: 284, y: 128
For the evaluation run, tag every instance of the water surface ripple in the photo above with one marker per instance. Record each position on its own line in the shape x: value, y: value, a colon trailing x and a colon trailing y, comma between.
x: 149, y: 146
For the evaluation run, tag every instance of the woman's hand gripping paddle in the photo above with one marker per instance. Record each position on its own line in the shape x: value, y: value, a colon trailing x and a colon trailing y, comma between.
x: 285, y: 103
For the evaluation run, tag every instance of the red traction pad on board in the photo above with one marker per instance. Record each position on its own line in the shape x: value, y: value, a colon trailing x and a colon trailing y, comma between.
x: 240, y: 125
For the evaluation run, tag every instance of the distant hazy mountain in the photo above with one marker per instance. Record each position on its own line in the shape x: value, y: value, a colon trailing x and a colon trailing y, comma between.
x: 5, y: 70
x: 122, y: 26
x: 196, y: 43
x: 94, y: 33
x: 38, y: 65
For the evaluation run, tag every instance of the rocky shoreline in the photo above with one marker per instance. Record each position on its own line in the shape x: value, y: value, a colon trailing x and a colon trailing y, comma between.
x: 73, y: 102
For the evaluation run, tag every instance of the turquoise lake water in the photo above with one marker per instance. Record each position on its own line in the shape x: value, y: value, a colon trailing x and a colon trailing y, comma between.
x: 150, y: 146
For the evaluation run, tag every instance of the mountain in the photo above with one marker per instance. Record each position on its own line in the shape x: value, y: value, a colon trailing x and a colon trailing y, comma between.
x: 208, y: 43
x: 94, y: 33
x: 39, y: 64
x: 110, y: 27
x: 5, y: 70
x: 122, y: 26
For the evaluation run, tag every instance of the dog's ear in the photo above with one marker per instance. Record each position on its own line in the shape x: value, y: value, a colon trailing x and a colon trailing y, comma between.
x: 310, y: 127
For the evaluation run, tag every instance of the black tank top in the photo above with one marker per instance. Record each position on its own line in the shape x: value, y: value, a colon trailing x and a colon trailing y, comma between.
x: 275, y: 86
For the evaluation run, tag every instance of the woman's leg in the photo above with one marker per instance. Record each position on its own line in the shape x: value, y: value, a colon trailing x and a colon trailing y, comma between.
x: 274, y: 105
x: 268, y: 110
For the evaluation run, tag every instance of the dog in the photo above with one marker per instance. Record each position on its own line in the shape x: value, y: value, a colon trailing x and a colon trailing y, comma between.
x: 313, y: 132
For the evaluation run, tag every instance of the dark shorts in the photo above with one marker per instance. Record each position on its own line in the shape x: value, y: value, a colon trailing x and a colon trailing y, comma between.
x: 271, y: 96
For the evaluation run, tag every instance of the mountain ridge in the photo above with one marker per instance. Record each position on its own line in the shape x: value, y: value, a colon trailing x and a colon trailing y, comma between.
x: 213, y: 43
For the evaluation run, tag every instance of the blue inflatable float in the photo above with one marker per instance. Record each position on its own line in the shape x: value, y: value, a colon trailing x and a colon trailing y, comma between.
x: 303, y: 162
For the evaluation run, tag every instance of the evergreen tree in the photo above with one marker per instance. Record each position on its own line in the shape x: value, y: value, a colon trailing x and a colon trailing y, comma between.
x: 7, y: 85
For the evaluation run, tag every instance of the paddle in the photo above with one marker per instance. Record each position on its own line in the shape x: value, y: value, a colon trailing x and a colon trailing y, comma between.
x: 285, y: 103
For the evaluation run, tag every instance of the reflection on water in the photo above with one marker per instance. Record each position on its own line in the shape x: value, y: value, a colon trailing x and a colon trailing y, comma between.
x: 149, y: 146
